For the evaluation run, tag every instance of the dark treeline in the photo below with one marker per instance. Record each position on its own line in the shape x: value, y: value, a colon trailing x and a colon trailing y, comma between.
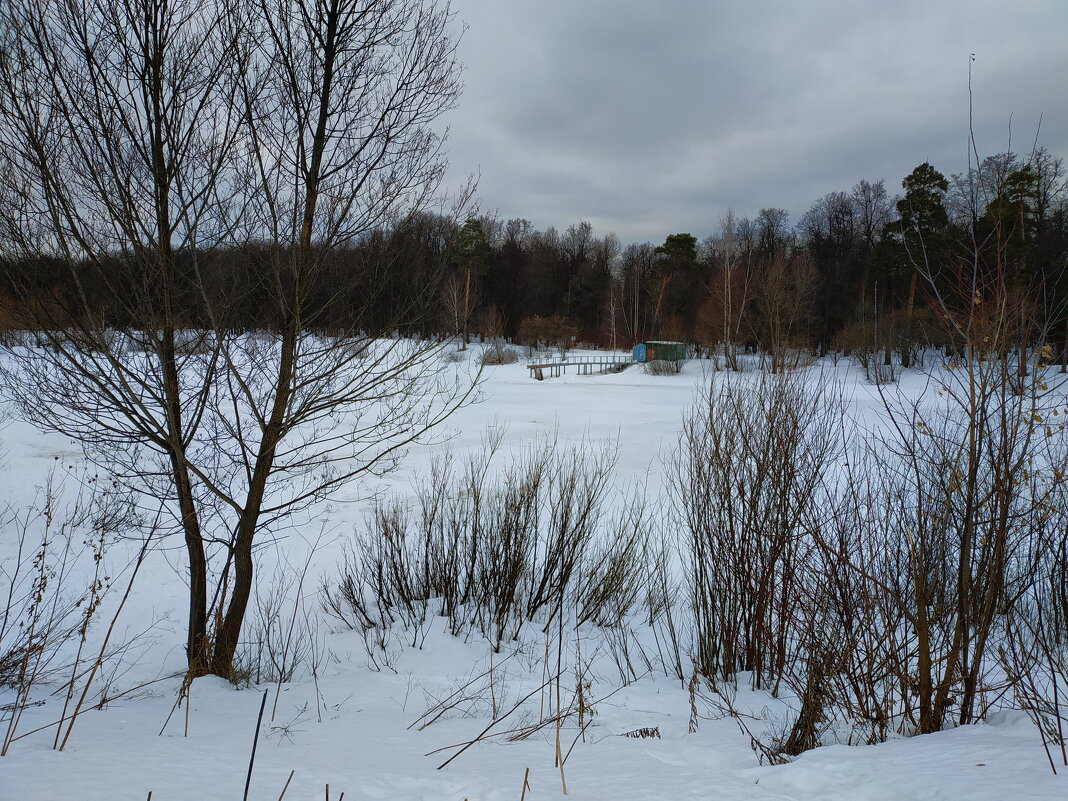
x: 862, y: 269
x: 387, y: 282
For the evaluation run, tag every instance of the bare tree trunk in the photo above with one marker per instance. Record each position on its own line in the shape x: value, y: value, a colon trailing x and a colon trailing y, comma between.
x: 467, y: 308
x: 1064, y: 347
x: 906, y: 347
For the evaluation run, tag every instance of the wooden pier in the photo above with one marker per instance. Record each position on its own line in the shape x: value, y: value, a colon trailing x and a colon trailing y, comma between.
x: 585, y: 365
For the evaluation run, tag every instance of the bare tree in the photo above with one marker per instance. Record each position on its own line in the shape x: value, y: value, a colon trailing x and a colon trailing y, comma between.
x: 455, y: 301
x: 733, y: 287
x: 784, y: 299
x: 116, y: 133
x: 137, y: 139
x: 873, y: 208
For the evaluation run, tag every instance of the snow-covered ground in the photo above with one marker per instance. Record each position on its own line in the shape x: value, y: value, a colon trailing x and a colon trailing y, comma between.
x: 358, y: 729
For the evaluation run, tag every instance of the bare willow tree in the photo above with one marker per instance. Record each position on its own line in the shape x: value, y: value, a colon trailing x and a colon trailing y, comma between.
x: 338, y: 99
x: 116, y: 134
x: 139, y: 140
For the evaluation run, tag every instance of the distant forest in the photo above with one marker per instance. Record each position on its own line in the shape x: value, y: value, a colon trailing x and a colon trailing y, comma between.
x: 864, y: 268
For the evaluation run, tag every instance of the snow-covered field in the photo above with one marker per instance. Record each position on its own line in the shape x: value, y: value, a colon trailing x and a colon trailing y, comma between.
x: 359, y: 730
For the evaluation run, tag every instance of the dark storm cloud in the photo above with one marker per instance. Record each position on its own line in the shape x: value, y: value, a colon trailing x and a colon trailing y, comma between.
x: 648, y: 118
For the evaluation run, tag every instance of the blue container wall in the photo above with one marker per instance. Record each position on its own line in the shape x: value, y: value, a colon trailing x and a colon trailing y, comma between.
x: 638, y: 354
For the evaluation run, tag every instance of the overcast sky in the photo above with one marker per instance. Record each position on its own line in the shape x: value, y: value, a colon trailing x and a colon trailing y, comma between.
x: 648, y: 118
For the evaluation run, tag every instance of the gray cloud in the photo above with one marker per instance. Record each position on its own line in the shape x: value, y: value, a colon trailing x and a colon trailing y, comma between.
x: 651, y: 118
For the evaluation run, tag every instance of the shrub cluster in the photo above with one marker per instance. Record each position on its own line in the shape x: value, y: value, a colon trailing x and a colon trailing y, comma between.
x: 491, y: 549
x: 663, y: 367
x: 893, y: 582
x: 499, y: 354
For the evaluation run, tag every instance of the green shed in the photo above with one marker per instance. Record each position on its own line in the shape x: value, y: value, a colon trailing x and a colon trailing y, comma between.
x: 664, y: 351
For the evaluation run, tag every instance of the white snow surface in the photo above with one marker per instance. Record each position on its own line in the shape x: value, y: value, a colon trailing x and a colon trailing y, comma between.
x: 357, y: 739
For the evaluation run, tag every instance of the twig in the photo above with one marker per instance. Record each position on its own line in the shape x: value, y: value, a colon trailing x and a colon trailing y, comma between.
x: 582, y: 734
x: 298, y: 598
x: 82, y: 712
x: 87, y: 616
x: 107, y: 638
x: 255, y: 741
x: 444, y: 705
x: 286, y: 787
x: 482, y: 734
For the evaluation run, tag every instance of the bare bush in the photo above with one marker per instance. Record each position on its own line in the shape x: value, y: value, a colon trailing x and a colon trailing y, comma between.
x: 499, y: 354
x: 577, y: 481
x: 50, y: 599
x: 663, y: 367
x: 615, y: 576
x: 1035, y: 660
x: 973, y: 481
x: 490, y: 549
x: 747, y: 482
x: 283, y: 639
x: 547, y: 332
x: 663, y: 597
